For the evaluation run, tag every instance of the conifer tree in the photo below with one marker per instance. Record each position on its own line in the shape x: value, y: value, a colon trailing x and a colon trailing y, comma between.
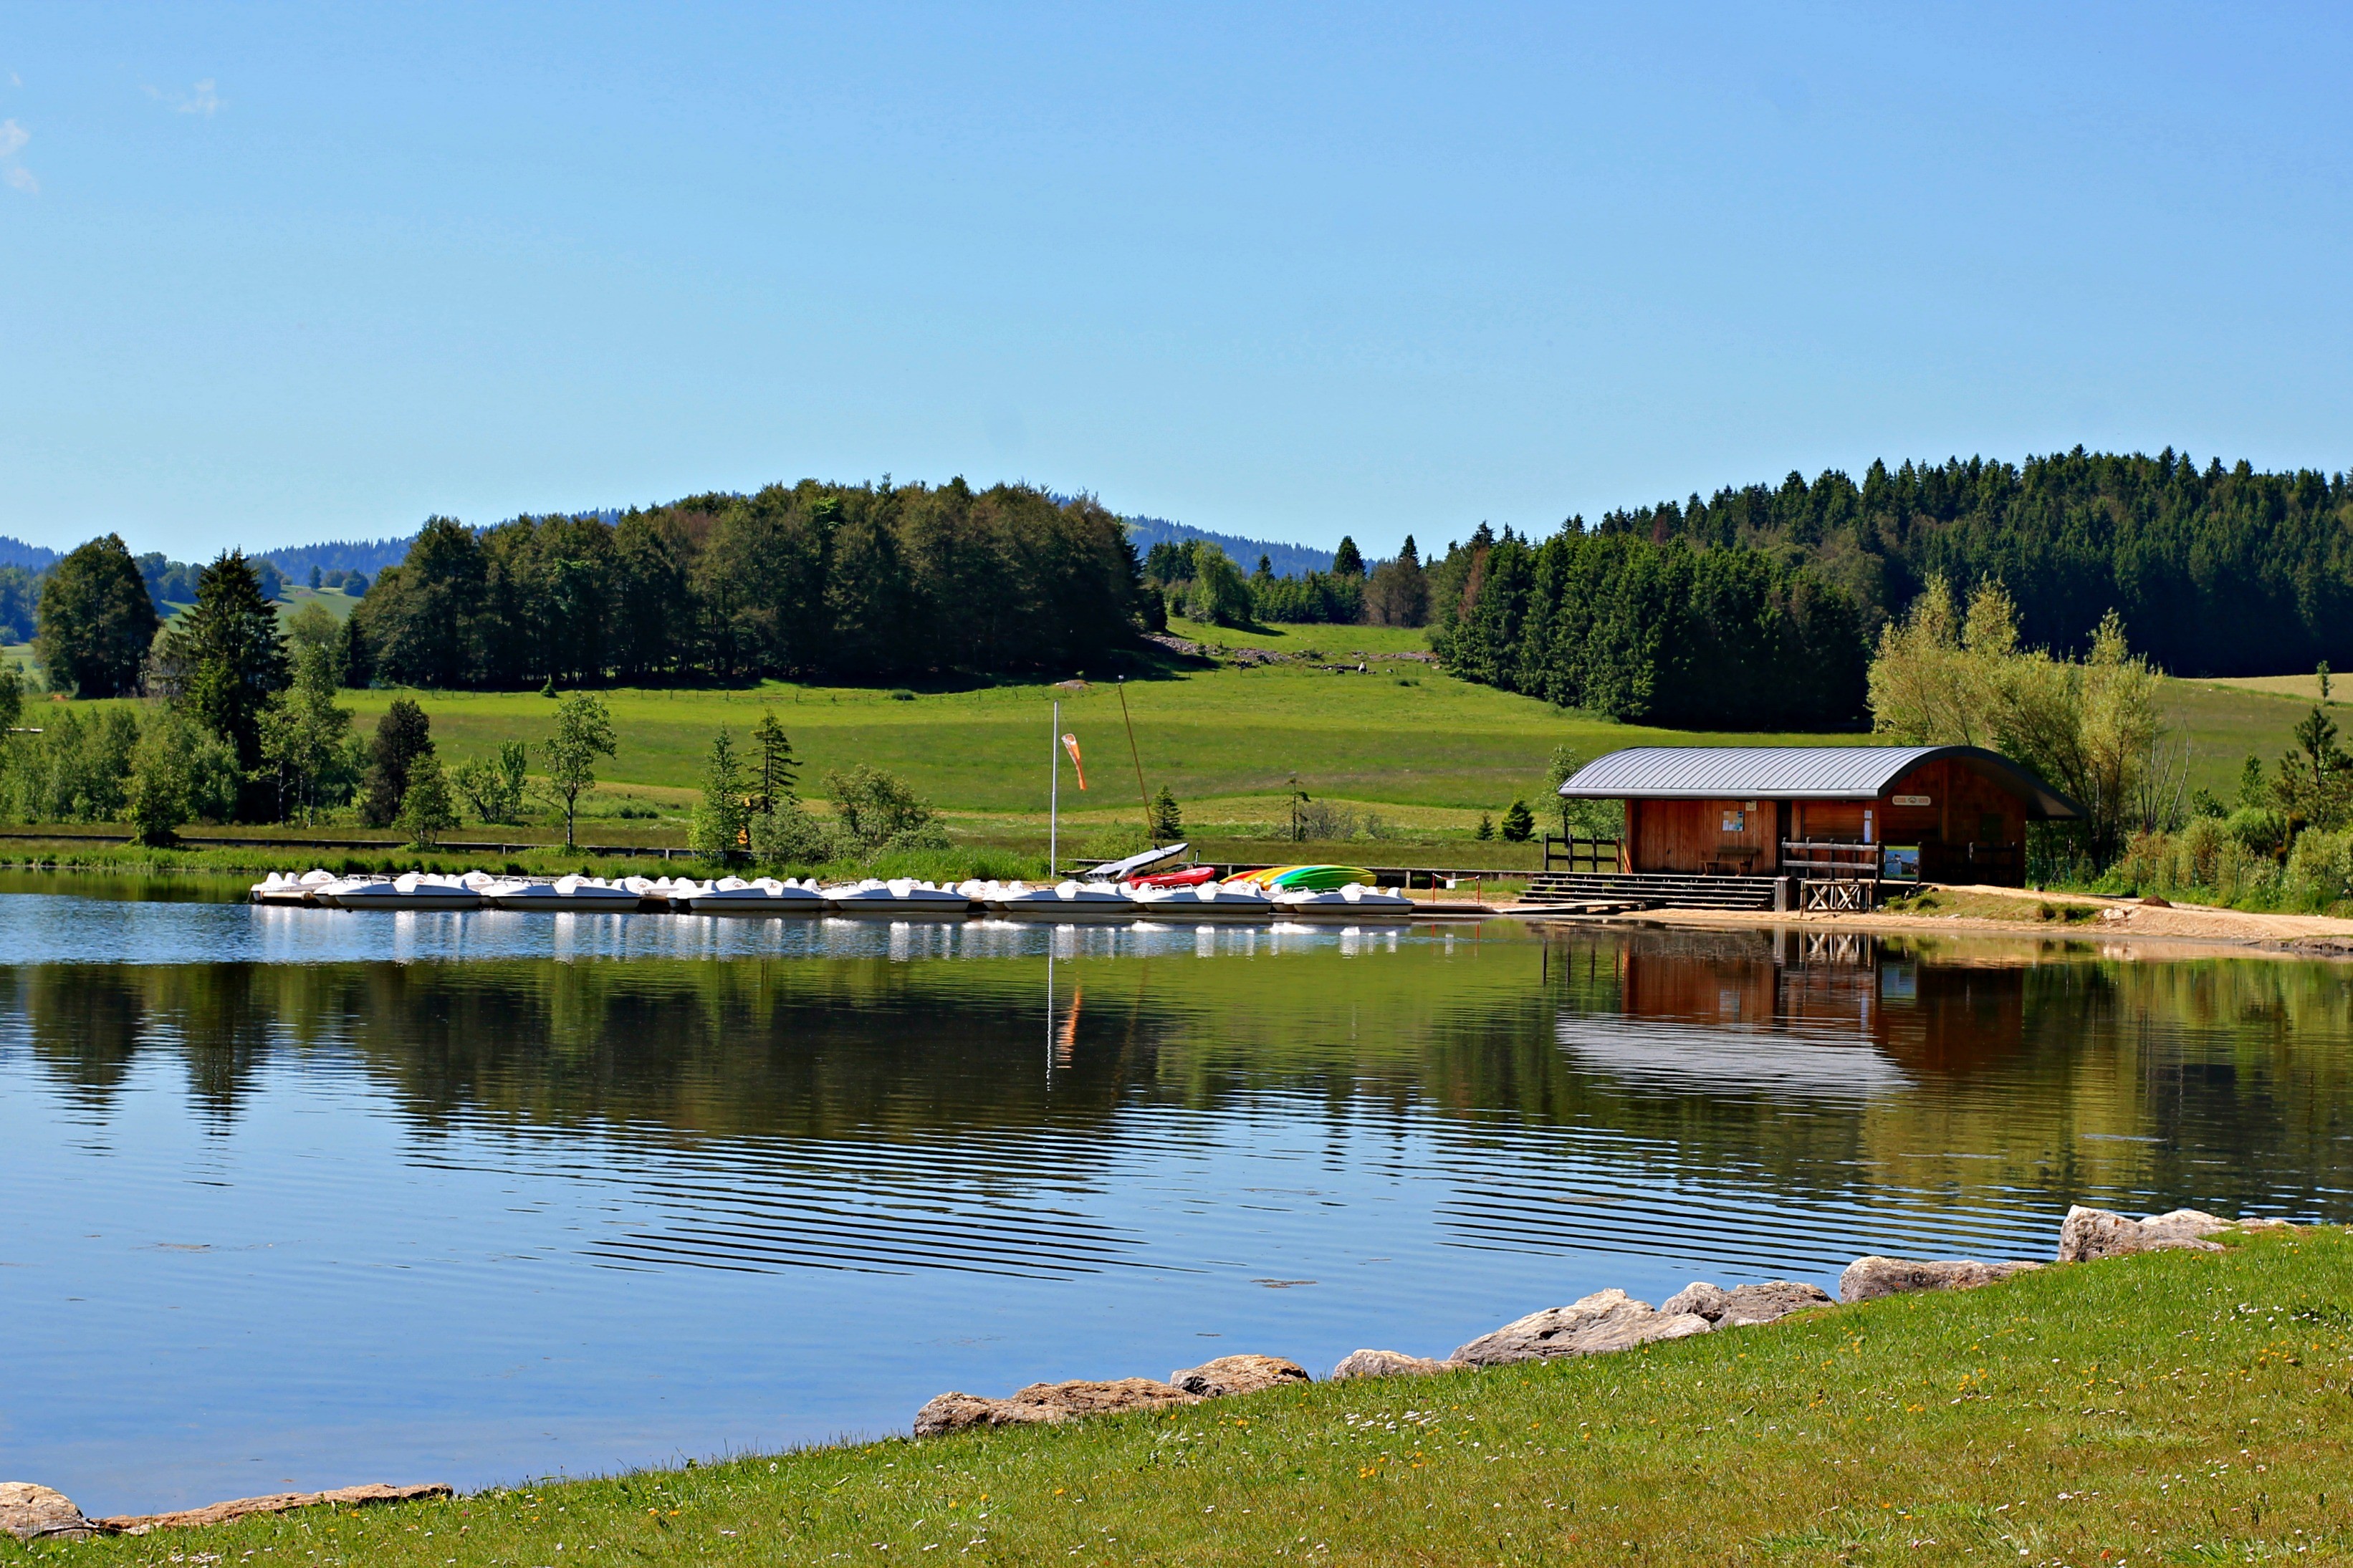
x: 717, y: 834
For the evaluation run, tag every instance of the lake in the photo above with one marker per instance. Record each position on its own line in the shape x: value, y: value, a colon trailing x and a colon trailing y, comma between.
x: 302, y: 1198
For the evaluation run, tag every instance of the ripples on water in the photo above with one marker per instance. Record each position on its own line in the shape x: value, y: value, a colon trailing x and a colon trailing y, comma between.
x: 298, y: 1196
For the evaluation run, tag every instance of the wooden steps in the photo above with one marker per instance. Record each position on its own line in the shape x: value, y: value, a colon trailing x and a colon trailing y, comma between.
x: 1595, y: 892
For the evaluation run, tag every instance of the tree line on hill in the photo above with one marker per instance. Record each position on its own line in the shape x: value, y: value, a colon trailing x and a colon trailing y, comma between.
x: 1195, y: 578
x: 1662, y: 634
x: 2215, y: 570
x: 810, y: 580
x: 1758, y: 608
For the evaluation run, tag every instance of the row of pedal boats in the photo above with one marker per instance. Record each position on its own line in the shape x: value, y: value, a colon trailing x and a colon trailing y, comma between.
x: 899, y: 898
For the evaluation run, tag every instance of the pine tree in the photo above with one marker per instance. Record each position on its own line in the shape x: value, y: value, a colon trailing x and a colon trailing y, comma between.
x: 1347, y: 561
x: 719, y: 822
x: 225, y: 660
x: 403, y: 736
x: 777, y: 768
x: 1168, y: 821
x: 1519, y: 823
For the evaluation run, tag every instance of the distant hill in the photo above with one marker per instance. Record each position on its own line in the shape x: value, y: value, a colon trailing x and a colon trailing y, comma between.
x: 368, y: 555
x: 31, y: 557
x: 1287, y: 560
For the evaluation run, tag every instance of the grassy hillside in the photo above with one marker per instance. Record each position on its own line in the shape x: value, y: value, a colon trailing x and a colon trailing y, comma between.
x: 2178, y: 1407
x: 1403, y: 742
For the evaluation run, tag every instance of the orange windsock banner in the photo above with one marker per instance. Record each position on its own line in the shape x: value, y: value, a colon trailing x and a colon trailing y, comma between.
x: 1071, y: 744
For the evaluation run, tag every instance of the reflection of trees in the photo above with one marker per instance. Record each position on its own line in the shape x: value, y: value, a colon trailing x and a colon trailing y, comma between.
x: 2039, y: 1068
x: 83, y: 1023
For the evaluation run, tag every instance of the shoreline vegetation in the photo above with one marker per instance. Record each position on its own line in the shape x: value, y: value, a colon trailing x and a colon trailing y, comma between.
x: 2178, y: 1399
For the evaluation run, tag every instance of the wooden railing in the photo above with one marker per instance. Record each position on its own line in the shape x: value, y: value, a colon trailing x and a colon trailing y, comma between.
x: 1830, y: 862
x: 1575, y: 854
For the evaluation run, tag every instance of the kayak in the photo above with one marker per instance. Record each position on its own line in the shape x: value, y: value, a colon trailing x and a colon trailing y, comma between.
x: 1275, y: 879
x: 1190, y: 876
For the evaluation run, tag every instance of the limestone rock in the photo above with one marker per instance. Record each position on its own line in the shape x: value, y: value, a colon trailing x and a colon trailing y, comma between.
x: 1047, y: 1403
x: 1700, y: 1296
x: 1392, y: 1363
x: 1744, y: 1305
x: 1772, y: 1300
x: 2090, y: 1234
x: 1231, y: 1374
x: 31, y: 1513
x: 1604, y: 1322
x: 275, y: 1502
x: 953, y: 1411
x: 1868, y: 1278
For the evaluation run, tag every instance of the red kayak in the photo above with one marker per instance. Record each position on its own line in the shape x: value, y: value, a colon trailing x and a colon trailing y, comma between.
x: 1190, y: 876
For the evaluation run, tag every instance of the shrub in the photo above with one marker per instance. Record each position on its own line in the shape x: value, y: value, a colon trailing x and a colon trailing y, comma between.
x: 879, y: 810
x: 2257, y: 828
x: 425, y: 809
x: 2320, y: 867
x: 790, y: 836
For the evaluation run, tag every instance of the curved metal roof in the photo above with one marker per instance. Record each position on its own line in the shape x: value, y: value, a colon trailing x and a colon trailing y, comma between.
x: 1794, y: 773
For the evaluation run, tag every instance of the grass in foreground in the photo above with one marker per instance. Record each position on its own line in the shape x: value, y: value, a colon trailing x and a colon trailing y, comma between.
x: 2176, y: 1407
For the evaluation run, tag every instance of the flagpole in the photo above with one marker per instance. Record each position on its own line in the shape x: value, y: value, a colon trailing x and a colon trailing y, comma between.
x: 1054, y: 795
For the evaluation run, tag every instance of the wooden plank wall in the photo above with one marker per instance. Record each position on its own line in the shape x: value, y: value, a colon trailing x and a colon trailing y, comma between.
x: 1688, y: 836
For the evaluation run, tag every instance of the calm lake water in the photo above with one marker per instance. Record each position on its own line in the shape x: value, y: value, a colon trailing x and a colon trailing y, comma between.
x: 307, y: 1199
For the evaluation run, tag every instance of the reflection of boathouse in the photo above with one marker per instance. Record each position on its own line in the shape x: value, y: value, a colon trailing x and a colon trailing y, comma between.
x: 1842, y: 815
x: 1817, y: 1012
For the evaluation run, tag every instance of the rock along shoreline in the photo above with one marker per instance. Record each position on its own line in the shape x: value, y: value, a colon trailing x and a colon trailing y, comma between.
x: 1600, y: 1324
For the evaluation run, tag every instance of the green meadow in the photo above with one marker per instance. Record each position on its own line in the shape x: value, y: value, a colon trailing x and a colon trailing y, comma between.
x: 1402, y: 750
x: 2174, y: 1407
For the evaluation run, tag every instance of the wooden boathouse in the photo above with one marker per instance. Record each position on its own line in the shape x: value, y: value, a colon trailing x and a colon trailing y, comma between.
x: 1798, y: 826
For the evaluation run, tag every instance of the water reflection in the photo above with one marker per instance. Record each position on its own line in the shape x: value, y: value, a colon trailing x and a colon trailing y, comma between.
x: 634, y: 1188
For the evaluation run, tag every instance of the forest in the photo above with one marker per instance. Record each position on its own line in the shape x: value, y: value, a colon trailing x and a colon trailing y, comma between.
x: 2214, y: 571
x: 810, y: 580
x: 1732, y: 638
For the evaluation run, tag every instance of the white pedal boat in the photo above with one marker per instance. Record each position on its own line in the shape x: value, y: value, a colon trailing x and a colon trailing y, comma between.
x: 589, y: 894
x: 1354, y: 902
x: 290, y: 888
x: 734, y: 896
x: 1203, y: 901
x: 1060, y: 901
x: 414, y: 891
x: 899, y: 897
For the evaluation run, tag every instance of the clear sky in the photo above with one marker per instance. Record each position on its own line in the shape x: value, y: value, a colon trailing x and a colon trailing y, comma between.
x: 276, y: 274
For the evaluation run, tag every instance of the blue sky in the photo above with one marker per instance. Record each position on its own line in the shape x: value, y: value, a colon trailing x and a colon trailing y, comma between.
x: 276, y: 274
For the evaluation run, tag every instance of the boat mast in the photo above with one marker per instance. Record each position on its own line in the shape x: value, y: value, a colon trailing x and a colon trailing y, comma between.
x: 1054, y: 794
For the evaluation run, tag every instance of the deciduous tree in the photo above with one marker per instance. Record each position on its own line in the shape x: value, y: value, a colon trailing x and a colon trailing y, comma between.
x: 96, y: 621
